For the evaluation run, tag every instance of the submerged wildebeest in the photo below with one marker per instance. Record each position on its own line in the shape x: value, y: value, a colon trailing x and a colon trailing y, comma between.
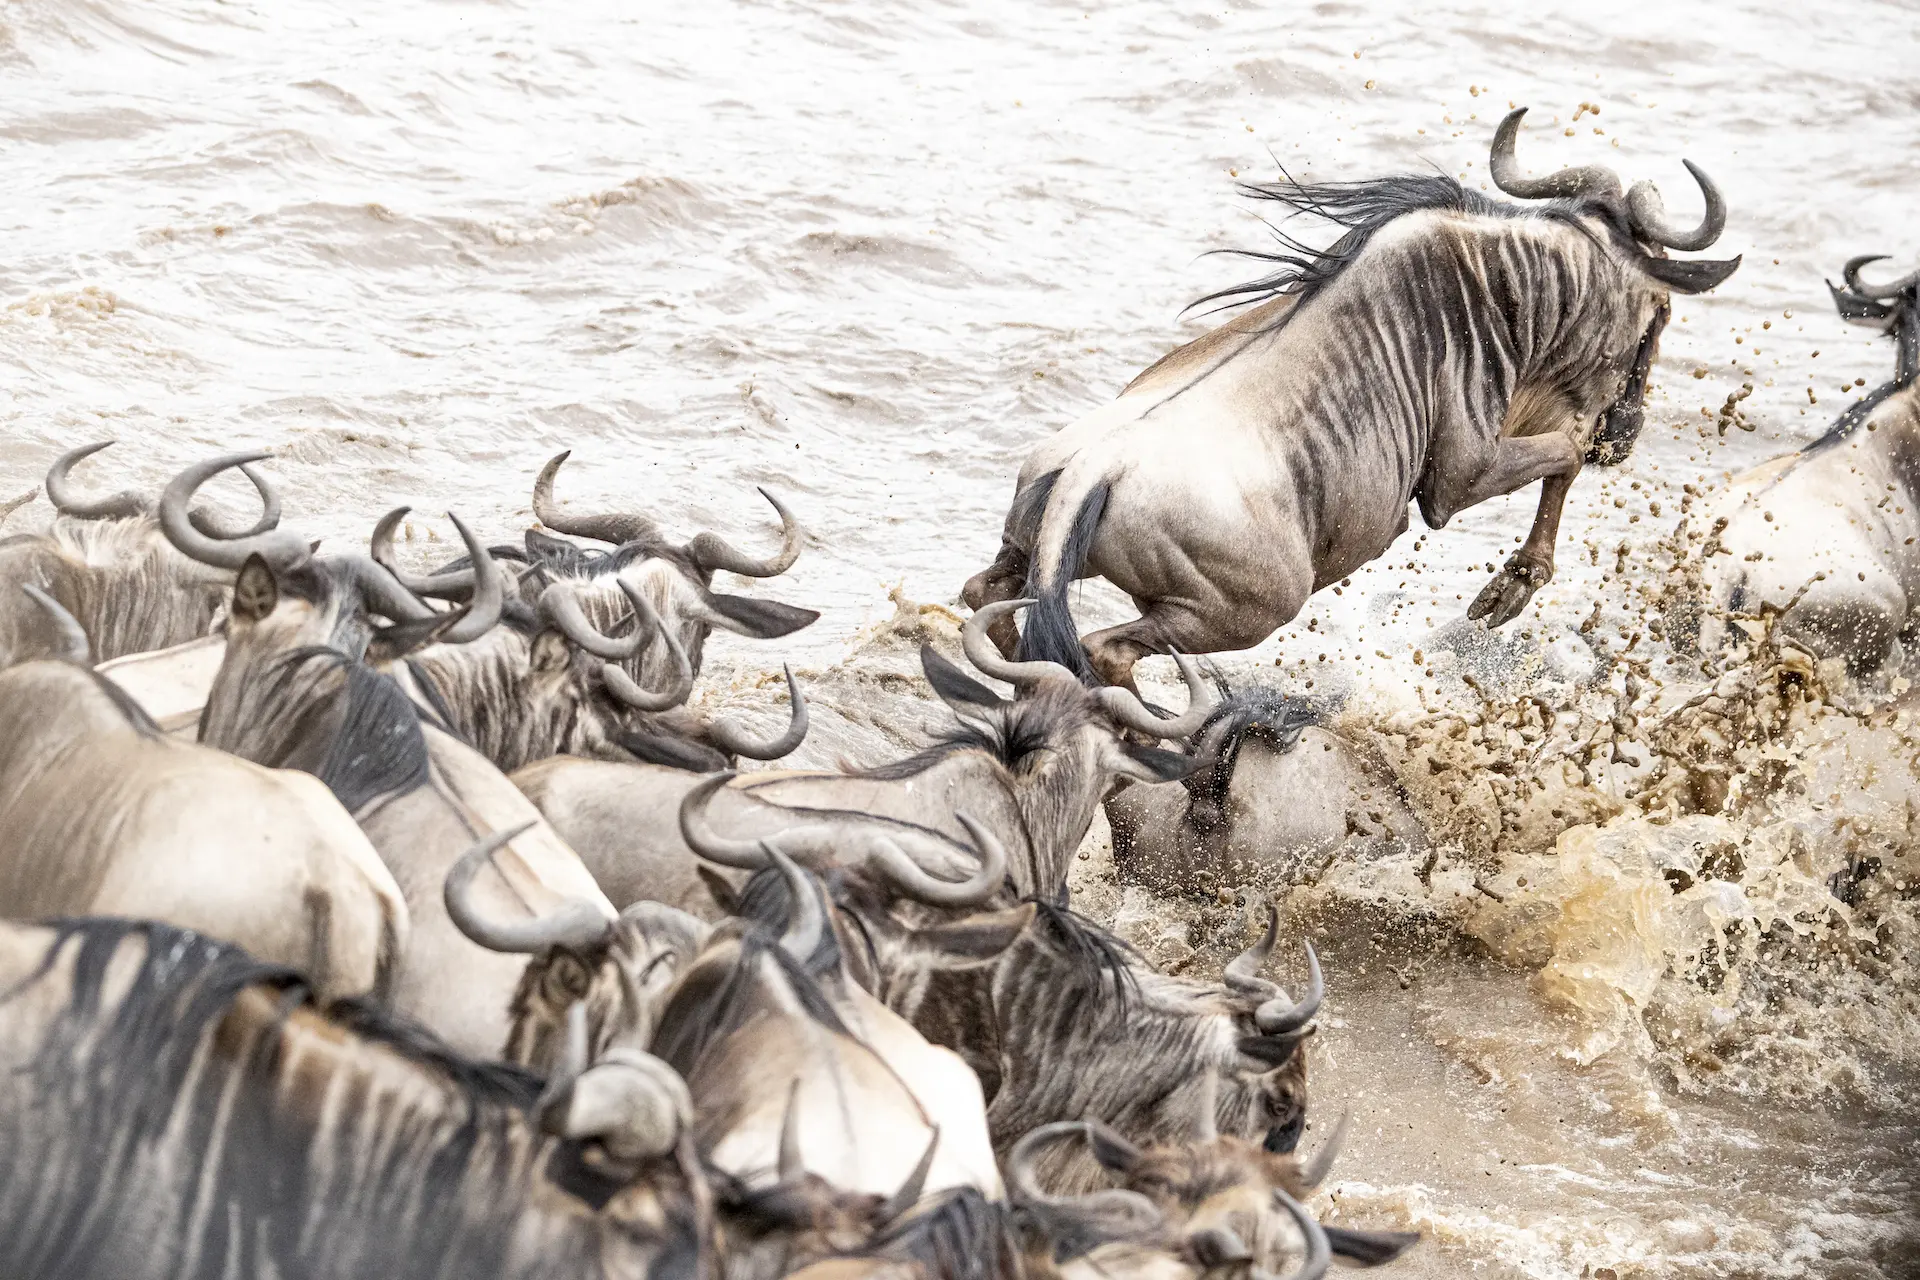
x: 105, y: 561
x: 1279, y: 794
x: 1033, y: 770
x: 1448, y: 348
x: 104, y: 815
x: 1826, y: 536
x: 190, y: 1112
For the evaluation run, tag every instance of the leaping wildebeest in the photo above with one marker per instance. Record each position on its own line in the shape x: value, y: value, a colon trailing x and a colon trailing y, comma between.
x: 1826, y: 536
x: 1447, y: 349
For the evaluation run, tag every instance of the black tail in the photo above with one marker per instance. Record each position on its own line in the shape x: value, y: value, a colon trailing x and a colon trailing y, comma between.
x: 1050, y: 634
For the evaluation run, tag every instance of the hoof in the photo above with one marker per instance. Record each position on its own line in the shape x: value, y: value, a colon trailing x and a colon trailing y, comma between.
x: 1501, y: 600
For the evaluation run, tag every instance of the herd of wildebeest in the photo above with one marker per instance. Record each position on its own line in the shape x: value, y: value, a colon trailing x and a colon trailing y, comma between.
x: 377, y: 922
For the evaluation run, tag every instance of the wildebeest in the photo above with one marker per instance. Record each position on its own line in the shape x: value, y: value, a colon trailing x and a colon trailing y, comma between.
x: 784, y: 1053
x: 104, y: 815
x: 105, y: 561
x: 676, y: 577
x: 1446, y: 349
x: 1032, y: 769
x: 1825, y: 536
x: 294, y: 692
x: 1278, y: 795
x: 190, y: 1112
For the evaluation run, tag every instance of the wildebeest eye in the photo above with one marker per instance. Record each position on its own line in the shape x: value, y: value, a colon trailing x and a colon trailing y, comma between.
x: 566, y: 978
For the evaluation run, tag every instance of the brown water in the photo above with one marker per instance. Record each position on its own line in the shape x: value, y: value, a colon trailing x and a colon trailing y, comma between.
x: 868, y: 255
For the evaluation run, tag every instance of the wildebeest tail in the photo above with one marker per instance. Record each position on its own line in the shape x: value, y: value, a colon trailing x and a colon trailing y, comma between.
x: 1060, y: 549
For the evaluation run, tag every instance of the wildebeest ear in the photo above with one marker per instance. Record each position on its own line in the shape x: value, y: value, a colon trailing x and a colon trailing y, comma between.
x: 1154, y: 764
x: 760, y: 619
x: 978, y: 939
x: 1689, y: 275
x: 1369, y: 1248
x: 255, y: 593
x: 391, y: 643
x: 1110, y: 1149
x: 956, y: 688
x: 549, y: 652
x: 720, y: 889
x: 544, y: 546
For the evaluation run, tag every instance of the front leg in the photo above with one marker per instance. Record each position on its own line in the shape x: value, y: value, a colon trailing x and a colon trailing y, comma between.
x: 1531, y: 567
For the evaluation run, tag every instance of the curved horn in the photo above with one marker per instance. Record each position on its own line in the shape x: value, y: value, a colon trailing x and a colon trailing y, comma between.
x: 1024, y: 1186
x: 910, y: 878
x: 792, y: 1166
x: 74, y: 645
x: 573, y: 1061
x: 68, y: 503
x: 1319, y: 1250
x: 576, y: 924
x: 1592, y: 180
x: 617, y: 529
x: 1128, y: 711
x: 280, y: 548
x: 1243, y: 971
x: 909, y: 1192
x: 625, y: 687
x: 747, y: 855
x: 807, y: 921
x: 1279, y: 1015
x: 710, y: 551
x: 448, y: 584
x: 380, y: 592
x: 985, y: 655
x: 561, y: 604
x: 1647, y: 214
x: 1878, y: 292
x: 489, y: 593
x: 737, y: 742
x: 1315, y: 1171
x: 1205, y: 1128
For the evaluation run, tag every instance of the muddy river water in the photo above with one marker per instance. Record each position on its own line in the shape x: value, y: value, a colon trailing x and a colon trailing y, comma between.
x: 867, y: 254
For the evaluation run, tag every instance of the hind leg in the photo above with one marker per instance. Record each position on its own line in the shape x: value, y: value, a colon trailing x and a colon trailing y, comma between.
x: 1163, y: 626
x: 1004, y: 579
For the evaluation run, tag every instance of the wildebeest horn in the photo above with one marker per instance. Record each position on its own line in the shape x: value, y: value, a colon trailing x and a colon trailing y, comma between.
x: 711, y: 551
x: 1315, y: 1171
x: 617, y: 529
x: 631, y: 1102
x: 447, y: 584
x: 127, y: 503
x: 985, y: 655
x: 704, y: 840
x: 74, y: 645
x: 1023, y: 1187
x: 1129, y: 712
x: 1205, y: 1127
x: 1648, y: 215
x: 1279, y: 1015
x: 1243, y: 971
x: 792, y: 1166
x: 561, y: 604
x: 576, y: 924
x: 1878, y: 292
x: 736, y: 741
x: 280, y: 548
x: 625, y: 687
x: 910, y: 878
x: 1319, y: 1251
x: 806, y: 921
x: 909, y: 1192
x: 1588, y: 180
x: 489, y: 593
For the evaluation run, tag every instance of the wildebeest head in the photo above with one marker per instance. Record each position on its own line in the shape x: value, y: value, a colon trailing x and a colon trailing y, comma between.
x: 676, y: 578
x: 1577, y: 286
x: 106, y: 561
x: 1893, y: 308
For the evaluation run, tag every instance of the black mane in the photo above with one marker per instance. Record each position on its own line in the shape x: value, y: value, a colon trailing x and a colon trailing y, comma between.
x: 1095, y: 956
x: 1013, y: 733
x: 377, y: 748
x: 1363, y: 208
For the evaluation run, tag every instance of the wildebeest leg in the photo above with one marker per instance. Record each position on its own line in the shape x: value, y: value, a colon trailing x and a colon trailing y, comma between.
x: 1555, y: 462
x: 1004, y: 579
x: 1226, y: 622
